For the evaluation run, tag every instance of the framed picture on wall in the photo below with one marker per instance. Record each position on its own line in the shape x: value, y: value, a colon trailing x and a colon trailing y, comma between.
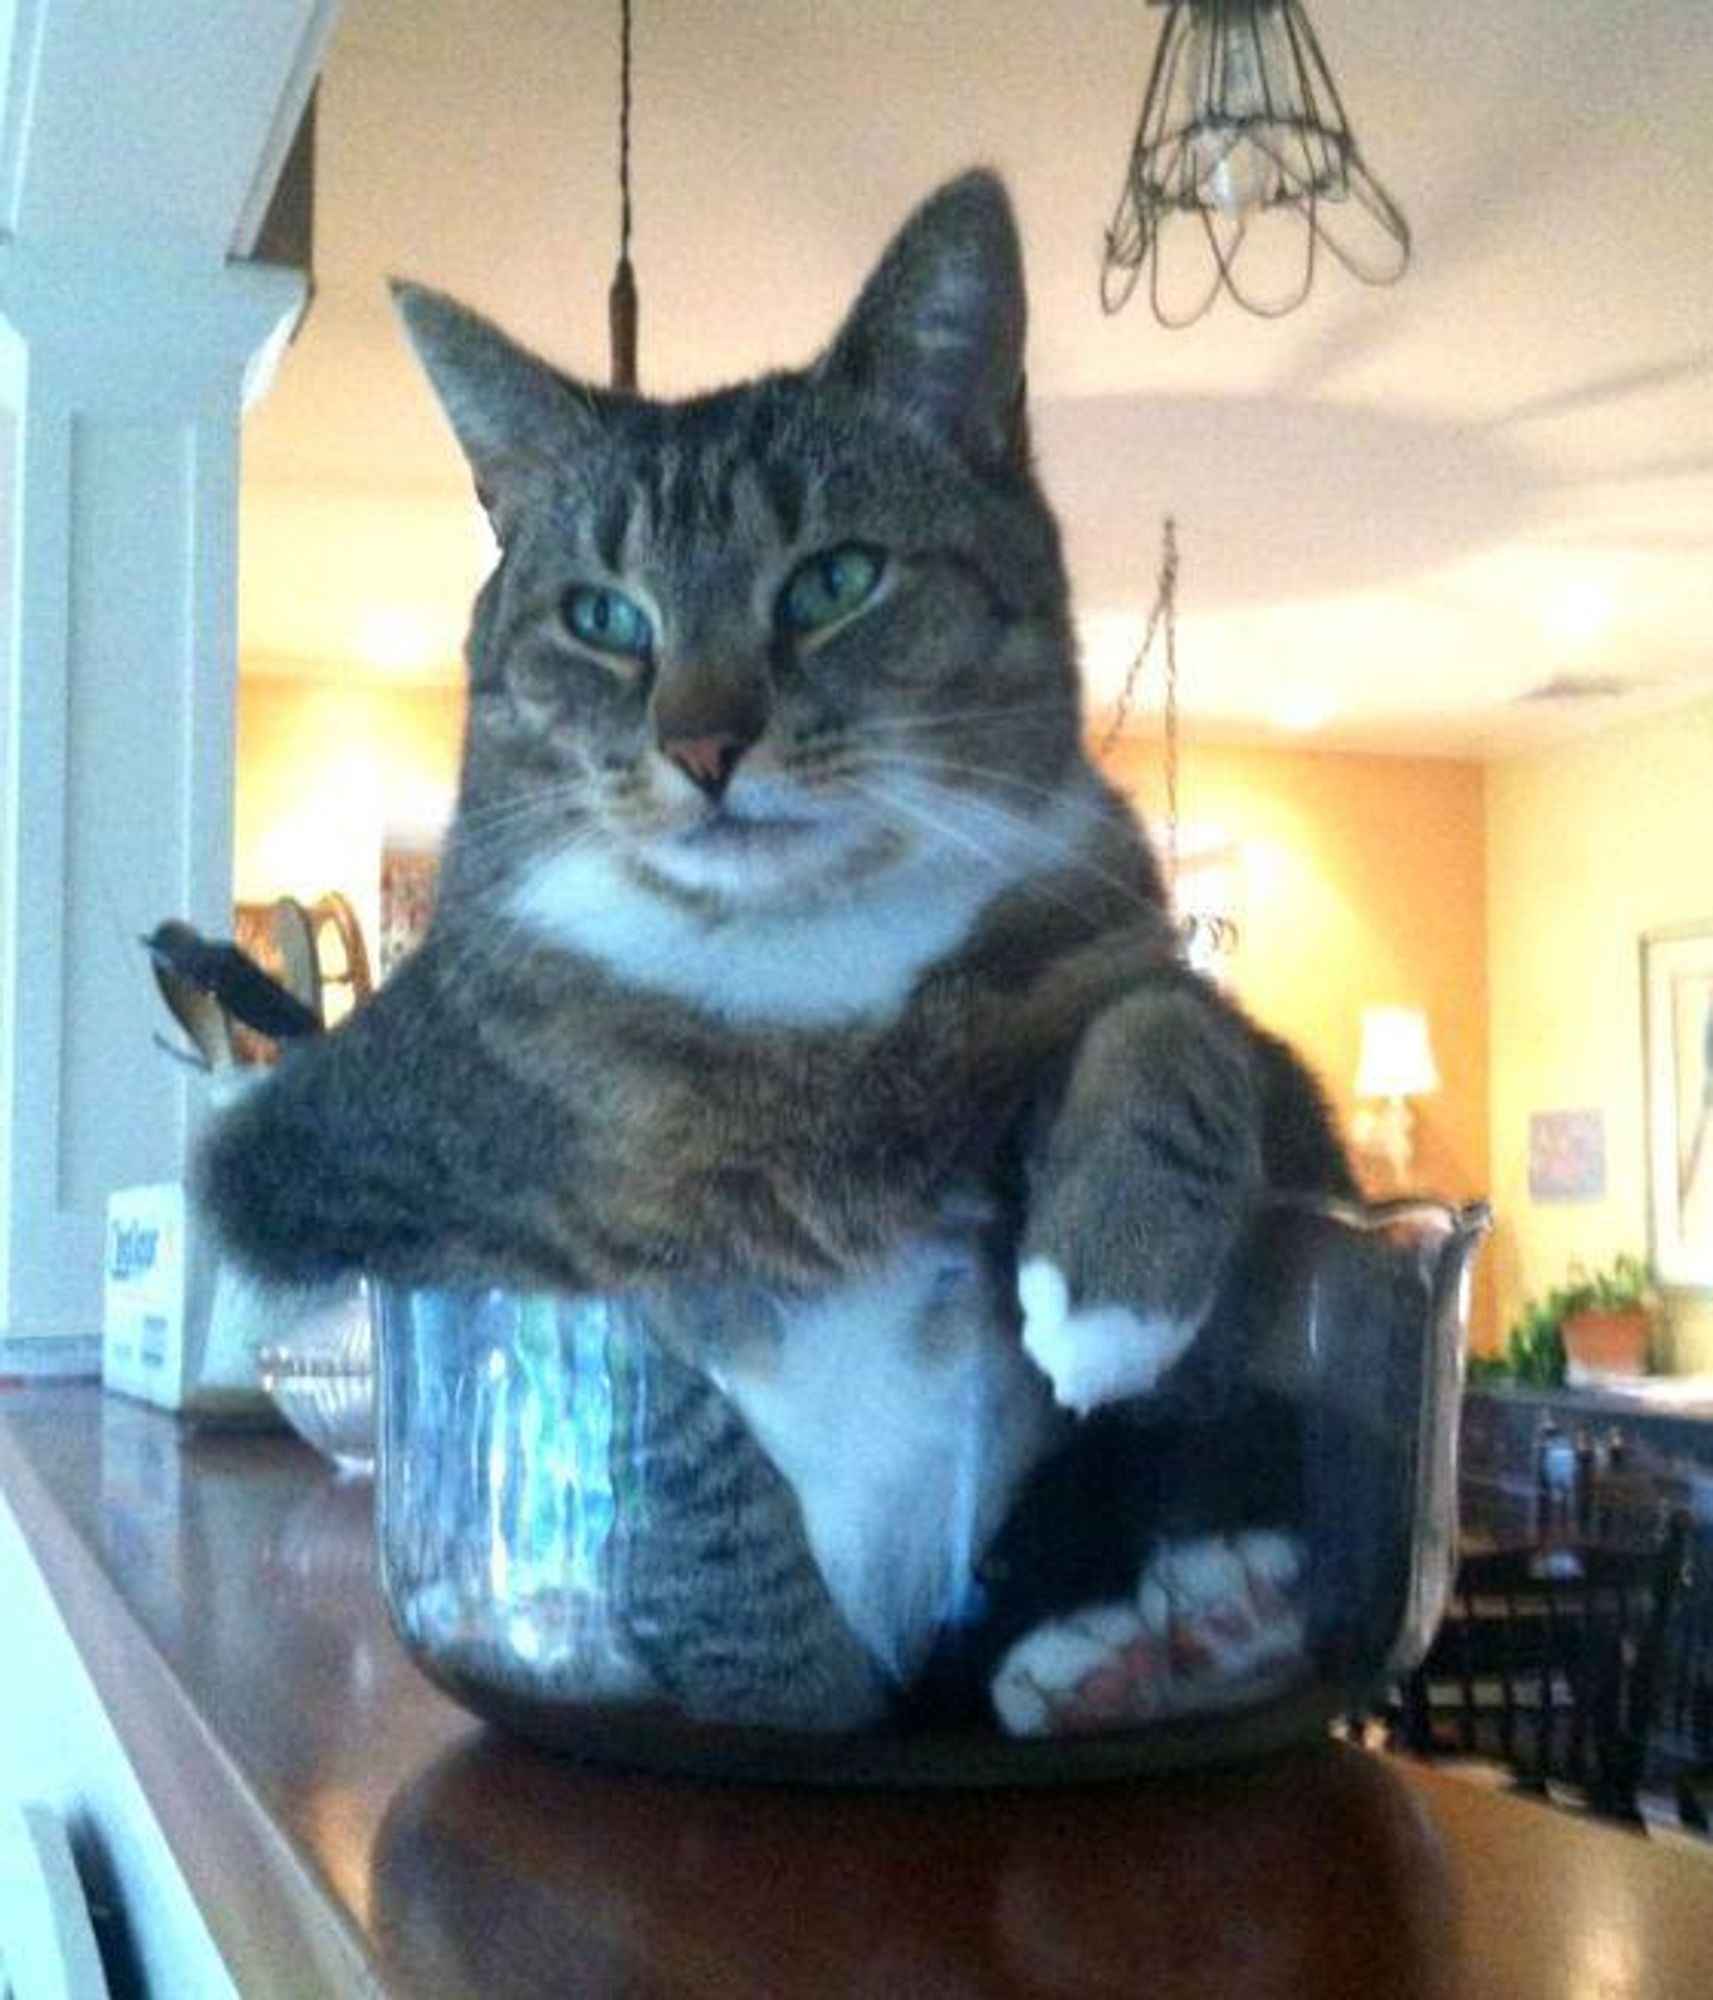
x: 1677, y: 1011
x: 409, y: 870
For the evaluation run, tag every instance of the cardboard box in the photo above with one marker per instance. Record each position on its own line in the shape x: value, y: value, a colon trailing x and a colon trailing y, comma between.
x: 181, y: 1327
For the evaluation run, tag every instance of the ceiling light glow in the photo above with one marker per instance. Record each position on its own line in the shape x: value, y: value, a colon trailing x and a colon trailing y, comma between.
x: 397, y: 638
x: 1301, y: 711
x: 1580, y: 613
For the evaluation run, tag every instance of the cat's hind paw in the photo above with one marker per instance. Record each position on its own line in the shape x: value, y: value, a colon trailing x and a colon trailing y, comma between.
x: 1093, y: 1354
x: 1216, y: 1621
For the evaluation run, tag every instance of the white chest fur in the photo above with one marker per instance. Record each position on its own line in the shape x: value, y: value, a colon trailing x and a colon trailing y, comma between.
x: 841, y: 959
x: 846, y: 956
x: 903, y: 1448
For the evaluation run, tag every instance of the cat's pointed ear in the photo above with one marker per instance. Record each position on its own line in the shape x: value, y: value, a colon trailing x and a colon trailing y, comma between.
x: 513, y: 414
x: 938, y: 329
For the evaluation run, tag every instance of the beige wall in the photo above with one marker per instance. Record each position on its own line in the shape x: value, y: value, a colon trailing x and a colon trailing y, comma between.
x: 326, y: 770
x: 1591, y: 843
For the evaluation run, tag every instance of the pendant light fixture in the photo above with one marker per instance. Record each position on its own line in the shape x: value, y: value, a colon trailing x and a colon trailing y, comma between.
x: 1244, y: 167
x: 1207, y: 937
x: 1162, y: 623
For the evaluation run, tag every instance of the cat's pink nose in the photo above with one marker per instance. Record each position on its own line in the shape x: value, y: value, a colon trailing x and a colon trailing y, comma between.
x: 707, y: 760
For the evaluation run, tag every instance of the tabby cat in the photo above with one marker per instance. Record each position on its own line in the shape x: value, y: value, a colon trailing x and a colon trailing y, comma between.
x: 793, y: 972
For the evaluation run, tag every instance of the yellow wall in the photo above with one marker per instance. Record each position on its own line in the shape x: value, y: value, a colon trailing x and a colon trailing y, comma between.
x: 325, y: 771
x: 1591, y: 843
x: 1360, y: 882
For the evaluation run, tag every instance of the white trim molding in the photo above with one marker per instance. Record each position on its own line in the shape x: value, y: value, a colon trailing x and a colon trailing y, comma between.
x: 130, y: 343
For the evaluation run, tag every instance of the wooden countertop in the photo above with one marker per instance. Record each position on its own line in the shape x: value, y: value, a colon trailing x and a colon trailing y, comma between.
x: 347, y: 1829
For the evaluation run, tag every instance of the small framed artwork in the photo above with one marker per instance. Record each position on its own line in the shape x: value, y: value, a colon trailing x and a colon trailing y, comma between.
x: 409, y: 871
x: 1567, y: 1156
x: 1677, y: 1010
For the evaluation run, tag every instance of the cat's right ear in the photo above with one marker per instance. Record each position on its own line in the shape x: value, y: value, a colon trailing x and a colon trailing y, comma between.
x: 938, y: 329
x: 513, y: 414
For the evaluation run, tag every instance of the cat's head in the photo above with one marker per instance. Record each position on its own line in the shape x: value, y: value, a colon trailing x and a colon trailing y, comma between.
x: 772, y: 639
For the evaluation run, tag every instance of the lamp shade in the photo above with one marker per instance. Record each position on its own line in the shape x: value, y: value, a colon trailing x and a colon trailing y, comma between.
x: 1397, y: 1057
x: 1243, y: 170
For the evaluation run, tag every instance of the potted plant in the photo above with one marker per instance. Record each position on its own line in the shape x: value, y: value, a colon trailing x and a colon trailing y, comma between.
x: 1608, y: 1320
x: 1533, y: 1354
x: 1597, y: 1324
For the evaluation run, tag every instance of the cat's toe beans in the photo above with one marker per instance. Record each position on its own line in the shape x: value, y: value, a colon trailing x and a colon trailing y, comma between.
x: 1216, y: 1621
x: 1069, y: 1674
x: 1228, y: 1605
x: 1273, y: 1562
x: 1205, y: 1569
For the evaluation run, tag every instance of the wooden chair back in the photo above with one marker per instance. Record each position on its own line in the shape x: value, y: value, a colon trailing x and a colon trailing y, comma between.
x: 1550, y: 1661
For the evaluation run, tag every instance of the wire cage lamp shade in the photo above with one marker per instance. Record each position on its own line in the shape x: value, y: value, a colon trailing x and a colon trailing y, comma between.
x: 1244, y: 168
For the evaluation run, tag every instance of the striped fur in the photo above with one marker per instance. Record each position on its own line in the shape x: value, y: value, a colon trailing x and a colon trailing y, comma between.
x: 916, y: 955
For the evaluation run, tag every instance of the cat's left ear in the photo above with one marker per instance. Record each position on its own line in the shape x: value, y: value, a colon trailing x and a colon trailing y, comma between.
x: 938, y: 328
x: 513, y: 413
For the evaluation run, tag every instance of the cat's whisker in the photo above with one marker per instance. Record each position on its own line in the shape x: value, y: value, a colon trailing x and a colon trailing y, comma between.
x: 942, y: 825
x: 974, y: 845
x: 535, y: 831
x: 1066, y: 858
x: 1070, y: 856
x: 1025, y: 836
x: 523, y: 835
x: 933, y: 761
x: 567, y: 799
x: 890, y: 727
x: 933, y: 764
x: 566, y: 802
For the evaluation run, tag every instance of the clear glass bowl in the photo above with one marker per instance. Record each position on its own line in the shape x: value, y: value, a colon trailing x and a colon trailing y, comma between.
x: 321, y: 1375
x: 582, y: 1540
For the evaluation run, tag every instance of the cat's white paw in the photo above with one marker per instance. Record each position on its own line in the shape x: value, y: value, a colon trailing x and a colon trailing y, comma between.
x: 1093, y: 1354
x: 1095, y: 1652
x: 1216, y: 1621
x: 1232, y: 1600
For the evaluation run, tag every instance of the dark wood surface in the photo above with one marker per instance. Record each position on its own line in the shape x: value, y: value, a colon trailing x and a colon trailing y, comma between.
x: 223, y: 1591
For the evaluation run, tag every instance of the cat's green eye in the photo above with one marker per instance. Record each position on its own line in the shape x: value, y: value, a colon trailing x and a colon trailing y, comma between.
x: 829, y: 586
x: 608, y: 620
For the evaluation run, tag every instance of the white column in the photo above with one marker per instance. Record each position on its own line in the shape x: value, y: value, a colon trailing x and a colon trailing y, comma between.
x: 126, y: 376
x: 139, y: 147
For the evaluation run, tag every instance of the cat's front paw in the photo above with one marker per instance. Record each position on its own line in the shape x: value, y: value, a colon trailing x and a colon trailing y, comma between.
x: 1093, y: 1354
x: 1216, y: 1621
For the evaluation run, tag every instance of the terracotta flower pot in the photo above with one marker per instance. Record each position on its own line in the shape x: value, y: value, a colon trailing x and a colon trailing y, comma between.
x: 1608, y: 1343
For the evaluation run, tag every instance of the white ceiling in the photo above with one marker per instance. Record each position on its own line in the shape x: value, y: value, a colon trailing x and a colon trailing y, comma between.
x: 1404, y: 508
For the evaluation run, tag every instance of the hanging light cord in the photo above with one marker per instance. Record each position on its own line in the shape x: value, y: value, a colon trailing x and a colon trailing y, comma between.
x: 622, y: 299
x: 1204, y: 938
x: 1163, y: 614
x: 624, y: 130
x: 1169, y: 591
